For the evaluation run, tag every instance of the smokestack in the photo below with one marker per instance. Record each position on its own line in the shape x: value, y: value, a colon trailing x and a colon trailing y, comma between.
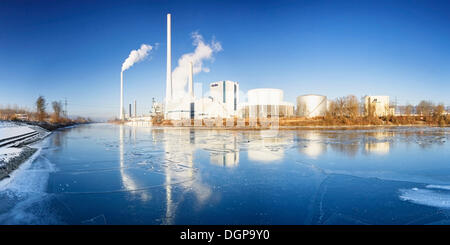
x: 121, y: 96
x: 130, y: 111
x: 191, y: 75
x: 169, y: 62
x: 135, y: 113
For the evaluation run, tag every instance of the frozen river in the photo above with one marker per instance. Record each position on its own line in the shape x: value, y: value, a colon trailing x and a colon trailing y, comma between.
x: 111, y: 174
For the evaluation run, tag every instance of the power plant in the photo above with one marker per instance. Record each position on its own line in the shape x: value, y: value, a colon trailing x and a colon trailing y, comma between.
x: 222, y: 100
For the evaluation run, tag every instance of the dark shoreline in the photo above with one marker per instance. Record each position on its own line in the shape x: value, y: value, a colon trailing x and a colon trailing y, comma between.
x: 15, y: 163
x: 51, y: 126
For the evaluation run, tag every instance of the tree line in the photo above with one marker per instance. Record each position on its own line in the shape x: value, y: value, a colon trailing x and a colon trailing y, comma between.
x: 349, y: 110
x: 58, y: 115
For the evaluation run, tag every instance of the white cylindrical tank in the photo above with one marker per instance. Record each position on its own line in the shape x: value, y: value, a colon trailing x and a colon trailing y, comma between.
x: 265, y: 96
x: 311, y: 105
x: 264, y: 102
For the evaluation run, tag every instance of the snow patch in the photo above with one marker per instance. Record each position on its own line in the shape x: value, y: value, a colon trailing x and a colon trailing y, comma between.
x: 426, y: 197
x: 443, y: 187
x: 8, y: 132
x: 6, y: 154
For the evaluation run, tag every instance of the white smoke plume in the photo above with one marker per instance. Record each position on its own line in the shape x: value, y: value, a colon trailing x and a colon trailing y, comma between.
x: 136, y: 56
x: 203, y: 51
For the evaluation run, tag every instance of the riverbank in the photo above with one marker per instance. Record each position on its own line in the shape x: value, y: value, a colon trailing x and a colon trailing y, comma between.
x: 279, y: 126
x: 16, y: 138
x: 15, y: 162
x: 301, y: 128
x: 300, y: 122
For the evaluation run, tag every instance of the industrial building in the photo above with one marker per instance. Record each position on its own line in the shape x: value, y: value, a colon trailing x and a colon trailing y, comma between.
x: 227, y: 94
x: 265, y: 103
x: 312, y: 105
x: 377, y: 106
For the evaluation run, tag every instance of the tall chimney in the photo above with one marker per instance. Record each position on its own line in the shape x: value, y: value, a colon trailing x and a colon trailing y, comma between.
x: 191, y: 75
x: 169, y: 63
x: 135, y: 109
x: 130, y: 110
x: 121, y: 95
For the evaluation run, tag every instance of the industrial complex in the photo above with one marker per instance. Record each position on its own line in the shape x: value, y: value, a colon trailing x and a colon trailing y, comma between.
x: 223, y: 102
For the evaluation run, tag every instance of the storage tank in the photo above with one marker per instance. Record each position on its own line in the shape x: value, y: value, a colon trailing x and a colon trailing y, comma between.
x: 311, y: 105
x: 264, y: 102
x: 265, y: 96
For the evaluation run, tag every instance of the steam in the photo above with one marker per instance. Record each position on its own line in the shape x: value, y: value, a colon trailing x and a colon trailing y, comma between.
x: 136, y: 56
x: 203, y: 51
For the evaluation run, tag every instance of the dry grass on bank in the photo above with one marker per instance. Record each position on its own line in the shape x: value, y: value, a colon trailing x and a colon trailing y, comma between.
x: 443, y: 120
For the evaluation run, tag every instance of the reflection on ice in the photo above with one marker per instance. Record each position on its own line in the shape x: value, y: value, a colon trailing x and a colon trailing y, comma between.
x: 378, y: 142
x: 314, y: 143
x: 127, y: 181
x: 267, y: 145
x: 223, y: 146
x: 311, y: 143
x: 179, y: 150
x: 381, y: 148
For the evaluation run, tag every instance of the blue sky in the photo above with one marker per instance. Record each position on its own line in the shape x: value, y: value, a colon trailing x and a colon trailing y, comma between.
x: 75, y: 49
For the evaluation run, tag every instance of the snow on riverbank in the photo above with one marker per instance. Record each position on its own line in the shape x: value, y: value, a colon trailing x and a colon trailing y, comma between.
x: 6, y: 154
x: 8, y: 132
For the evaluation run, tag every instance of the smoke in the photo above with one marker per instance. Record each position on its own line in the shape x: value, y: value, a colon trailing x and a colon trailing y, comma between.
x: 136, y: 56
x: 203, y: 51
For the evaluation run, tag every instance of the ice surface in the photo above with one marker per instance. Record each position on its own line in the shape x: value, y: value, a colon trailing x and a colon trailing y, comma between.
x: 24, y: 192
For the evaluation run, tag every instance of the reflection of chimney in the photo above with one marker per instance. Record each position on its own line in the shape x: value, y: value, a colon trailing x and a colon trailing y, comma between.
x: 169, y: 62
x: 191, y: 75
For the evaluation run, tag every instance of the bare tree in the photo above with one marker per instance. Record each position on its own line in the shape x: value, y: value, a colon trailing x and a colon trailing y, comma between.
x: 351, y: 106
x: 369, y: 109
x: 331, y: 110
x: 408, y: 110
x: 439, y: 109
x: 57, y: 109
x: 340, y: 106
x: 425, y: 108
x: 40, y: 108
